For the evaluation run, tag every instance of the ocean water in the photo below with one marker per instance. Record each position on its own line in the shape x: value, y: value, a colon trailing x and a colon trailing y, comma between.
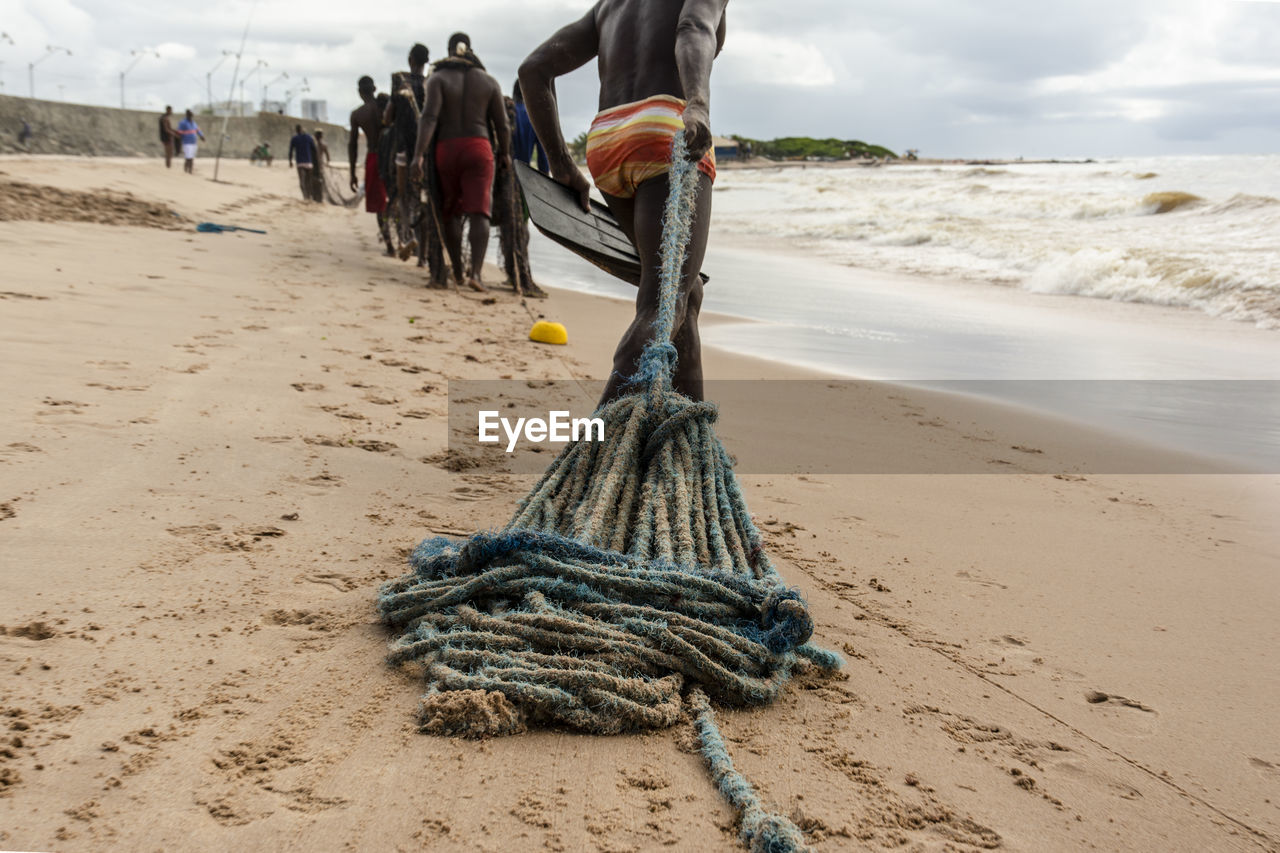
x: 1047, y: 286
x: 1192, y: 232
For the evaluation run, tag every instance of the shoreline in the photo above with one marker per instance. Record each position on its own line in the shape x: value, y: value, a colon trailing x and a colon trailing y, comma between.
x: 218, y: 446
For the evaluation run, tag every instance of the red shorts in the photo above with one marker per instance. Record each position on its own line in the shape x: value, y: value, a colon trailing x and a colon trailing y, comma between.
x: 465, y: 166
x: 375, y: 194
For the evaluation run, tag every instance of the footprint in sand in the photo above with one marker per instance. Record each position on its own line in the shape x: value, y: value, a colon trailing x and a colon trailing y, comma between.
x: 320, y: 482
x: 471, y: 493
x: 66, y: 407
x: 105, y: 387
x: 1124, y: 715
x: 341, y: 583
x: 21, y: 447
x: 307, y: 386
x: 1266, y: 769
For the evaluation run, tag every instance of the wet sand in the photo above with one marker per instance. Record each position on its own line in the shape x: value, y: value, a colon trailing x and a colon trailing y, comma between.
x: 215, y: 447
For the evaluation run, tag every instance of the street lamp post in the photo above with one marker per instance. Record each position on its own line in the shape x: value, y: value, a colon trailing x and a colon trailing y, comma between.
x: 261, y: 64
x: 284, y: 75
x: 138, y: 56
x: 208, y: 77
x: 49, y: 50
x: 4, y: 37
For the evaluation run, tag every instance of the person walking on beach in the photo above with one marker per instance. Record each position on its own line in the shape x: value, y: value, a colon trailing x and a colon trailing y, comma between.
x: 655, y: 60
x: 464, y: 106
x: 168, y: 136
x: 322, y: 162
x: 190, y: 134
x: 404, y: 108
x: 417, y: 221
x: 368, y: 117
x: 302, y: 149
x: 509, y: 212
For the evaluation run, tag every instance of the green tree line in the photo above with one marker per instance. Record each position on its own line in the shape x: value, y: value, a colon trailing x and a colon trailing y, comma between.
x: 801, y: 147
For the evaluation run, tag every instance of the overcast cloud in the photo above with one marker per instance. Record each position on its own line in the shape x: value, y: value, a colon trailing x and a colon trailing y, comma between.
x: 950, y: 77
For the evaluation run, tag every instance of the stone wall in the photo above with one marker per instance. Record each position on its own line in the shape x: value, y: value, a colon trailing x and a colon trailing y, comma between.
x: 61, y: 128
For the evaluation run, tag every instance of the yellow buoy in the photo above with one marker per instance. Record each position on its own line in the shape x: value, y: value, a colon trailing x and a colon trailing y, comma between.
x: 545, y: 332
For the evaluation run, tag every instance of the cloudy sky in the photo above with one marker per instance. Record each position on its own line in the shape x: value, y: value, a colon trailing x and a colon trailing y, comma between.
x: 950, y: 77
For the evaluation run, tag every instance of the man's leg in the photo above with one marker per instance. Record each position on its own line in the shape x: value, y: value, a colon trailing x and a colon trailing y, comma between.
x: 385, y: 230
x: 453, y: 246
x: 641, y: 219
x: 408, y: 239
x: 419, y: 215
x: 479, y: 239
x: 168, y: 154
x: 302, y: 183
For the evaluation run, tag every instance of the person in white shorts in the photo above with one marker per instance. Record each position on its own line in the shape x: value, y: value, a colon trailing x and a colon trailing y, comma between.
x: 190, y: 134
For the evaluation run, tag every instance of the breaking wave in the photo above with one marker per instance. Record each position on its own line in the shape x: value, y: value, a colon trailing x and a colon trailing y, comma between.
x: 1184, y: 234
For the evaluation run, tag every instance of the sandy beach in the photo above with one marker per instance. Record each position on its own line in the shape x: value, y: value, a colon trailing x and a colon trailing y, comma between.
x: 215, y: 447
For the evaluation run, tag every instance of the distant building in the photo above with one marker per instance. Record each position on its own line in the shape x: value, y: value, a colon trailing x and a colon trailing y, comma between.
x: 274, y: 107
x: 315, y: 110
x: 726, y: 149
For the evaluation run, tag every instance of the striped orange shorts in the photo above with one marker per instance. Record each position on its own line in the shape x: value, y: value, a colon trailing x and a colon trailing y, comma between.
x: 631, y: 143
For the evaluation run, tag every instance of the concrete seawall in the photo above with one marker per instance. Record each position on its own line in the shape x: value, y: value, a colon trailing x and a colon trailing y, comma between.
x: 61, y: 128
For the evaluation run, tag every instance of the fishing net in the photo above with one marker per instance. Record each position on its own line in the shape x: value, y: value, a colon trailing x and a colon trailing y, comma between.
x: 630, y: 589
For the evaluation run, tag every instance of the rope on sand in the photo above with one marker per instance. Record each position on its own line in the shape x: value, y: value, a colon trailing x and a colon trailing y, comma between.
x: 631, y: 586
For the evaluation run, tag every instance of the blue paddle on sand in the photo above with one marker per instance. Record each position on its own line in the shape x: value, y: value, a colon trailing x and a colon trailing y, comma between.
x: 214, y: 228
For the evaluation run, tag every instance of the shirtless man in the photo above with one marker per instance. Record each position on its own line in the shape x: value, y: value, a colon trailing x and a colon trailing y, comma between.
x: 462, y: 102
x: 368, y: 117
x: 655, y: 70
x: 401, y: 120
x: 167, y: 136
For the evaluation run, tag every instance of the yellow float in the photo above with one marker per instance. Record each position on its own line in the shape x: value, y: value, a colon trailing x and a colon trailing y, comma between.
x: 545, y: 332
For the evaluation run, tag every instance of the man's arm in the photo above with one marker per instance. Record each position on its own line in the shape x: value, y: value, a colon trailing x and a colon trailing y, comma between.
x: 353, y: 148
x: 427, y: 124
x: 697, y: 43
x: 501, y: 127
x: 571, y: 47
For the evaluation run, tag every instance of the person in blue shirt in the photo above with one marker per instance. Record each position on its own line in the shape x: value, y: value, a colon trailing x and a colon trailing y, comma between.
x: 189, y: 132
x: 302, y: 149
x: 524, y: 142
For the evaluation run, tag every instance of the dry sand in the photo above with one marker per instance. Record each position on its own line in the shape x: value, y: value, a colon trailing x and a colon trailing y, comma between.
x: 215, y: 447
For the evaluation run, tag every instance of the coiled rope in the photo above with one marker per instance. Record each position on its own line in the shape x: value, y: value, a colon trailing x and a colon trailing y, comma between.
x: 630, y: 587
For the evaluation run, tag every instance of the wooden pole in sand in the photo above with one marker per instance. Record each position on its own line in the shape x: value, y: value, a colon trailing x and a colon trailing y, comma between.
x: 222, y: 135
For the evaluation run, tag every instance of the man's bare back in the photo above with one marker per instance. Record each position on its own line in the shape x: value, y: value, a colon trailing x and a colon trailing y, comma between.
x: 463, y: 100
x: 367, y: 118
x: 658, y: 52
x: 636, y: 40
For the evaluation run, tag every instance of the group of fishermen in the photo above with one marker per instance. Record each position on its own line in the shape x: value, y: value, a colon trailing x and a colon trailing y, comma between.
x: 429, y: 193
x: 442, y: 143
